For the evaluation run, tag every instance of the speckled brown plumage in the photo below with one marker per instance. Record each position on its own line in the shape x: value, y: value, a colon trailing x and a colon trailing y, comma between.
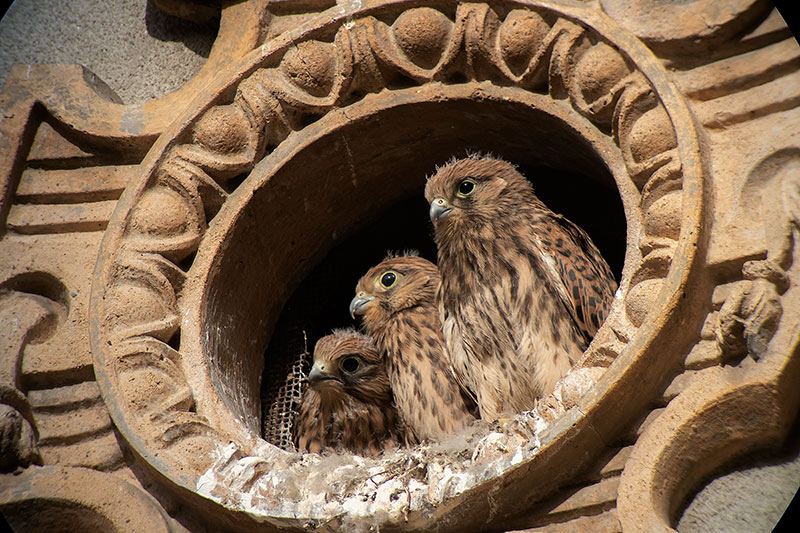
x: 523, y: 289
x: 348, y: 404
x: 403, y: 318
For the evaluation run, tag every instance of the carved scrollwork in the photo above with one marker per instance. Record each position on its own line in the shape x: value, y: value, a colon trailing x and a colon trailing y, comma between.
x: 559, y: 52
x: 752, y: 311
x: 55, y: 497
x: 31, y: 310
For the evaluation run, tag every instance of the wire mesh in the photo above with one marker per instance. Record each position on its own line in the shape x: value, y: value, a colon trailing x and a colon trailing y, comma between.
x: 283, y: 390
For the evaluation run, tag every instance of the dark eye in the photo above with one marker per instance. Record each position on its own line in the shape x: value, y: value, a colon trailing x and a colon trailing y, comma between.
x: 466, y: 187
x: 388, y: 279
x: 350, y: 364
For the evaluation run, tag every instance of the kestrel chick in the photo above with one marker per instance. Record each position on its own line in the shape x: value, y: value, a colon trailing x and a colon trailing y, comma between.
x: 523, y: 289
x: 397, y: 301
x: 348, y: 404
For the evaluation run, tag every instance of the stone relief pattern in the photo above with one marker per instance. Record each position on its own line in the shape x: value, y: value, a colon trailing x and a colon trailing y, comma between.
x: 760, y: 81
x: 63, y: 191
x: 62, y: 411
x: 532, y: 49
x: 746, y: 309
x: 739, y: 307
x: 741, y: 364
x: 70, y: 149
x: 66, y: 191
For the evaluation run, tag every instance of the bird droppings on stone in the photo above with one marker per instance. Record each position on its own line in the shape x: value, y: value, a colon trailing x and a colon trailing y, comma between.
x: 362, y: 491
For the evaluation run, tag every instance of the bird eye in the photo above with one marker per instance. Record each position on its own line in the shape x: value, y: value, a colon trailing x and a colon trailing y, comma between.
x: 350, y: 364
x: 466, y: 187
x: 388, y: 279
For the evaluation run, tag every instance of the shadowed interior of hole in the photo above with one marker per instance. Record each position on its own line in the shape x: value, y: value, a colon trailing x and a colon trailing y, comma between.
x: 320, y: 302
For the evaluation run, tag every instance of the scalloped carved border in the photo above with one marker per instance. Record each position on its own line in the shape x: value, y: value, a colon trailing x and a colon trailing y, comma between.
x: 53, y: 497
x: 570, y: 52
x: 724, y: 413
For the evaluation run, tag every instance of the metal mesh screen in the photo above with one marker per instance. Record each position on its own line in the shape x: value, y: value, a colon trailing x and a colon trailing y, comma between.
x: 282, y: 391
x: 306, y: 316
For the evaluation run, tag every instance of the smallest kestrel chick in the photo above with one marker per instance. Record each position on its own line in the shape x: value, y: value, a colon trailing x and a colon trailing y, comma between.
x: 348, y: 404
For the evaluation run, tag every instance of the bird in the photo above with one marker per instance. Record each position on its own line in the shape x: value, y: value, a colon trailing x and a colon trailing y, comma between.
x: 523, y: 289
x: 348, y: 404
x: 397, y: 302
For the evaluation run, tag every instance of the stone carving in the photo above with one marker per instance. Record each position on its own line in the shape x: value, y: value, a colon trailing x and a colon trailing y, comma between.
x: 751, y: 313
x: 678, y: 30
x: 17, y: 432
x: 722, y: 411
x: 286, y: 90
x: 78, y: 498
x: 191, y: 275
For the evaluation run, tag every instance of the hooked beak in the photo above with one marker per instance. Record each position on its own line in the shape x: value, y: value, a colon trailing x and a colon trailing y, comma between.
x: 359, y: 304
x: 439, y: 209
x: 320, y: 372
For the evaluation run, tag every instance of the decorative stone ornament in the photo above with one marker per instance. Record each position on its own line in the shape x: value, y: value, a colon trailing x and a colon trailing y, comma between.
x: 303, y: 140
x: 192, y: 411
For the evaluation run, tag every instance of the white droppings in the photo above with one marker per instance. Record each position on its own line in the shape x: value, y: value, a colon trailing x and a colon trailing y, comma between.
x: 517, y: 457
x: 348, y: 7
x: 307, y: 490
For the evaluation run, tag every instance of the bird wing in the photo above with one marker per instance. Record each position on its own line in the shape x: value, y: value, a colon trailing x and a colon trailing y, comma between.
x: 584, y: 274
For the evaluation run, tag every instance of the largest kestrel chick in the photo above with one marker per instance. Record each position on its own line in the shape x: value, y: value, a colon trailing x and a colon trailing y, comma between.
x: 523, y: 289
x: 397, y: 301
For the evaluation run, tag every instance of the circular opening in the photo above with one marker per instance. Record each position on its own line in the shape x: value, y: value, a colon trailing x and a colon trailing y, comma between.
x: 319, y: 304
x: 319, y: 211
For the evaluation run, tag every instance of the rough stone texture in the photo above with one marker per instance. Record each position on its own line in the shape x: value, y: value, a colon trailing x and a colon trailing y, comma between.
x: 142, y: 275
x: 752, y: 497
x: 140, y: 52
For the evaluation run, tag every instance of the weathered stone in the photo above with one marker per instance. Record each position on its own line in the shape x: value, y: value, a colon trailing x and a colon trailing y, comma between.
x: 134, y: 324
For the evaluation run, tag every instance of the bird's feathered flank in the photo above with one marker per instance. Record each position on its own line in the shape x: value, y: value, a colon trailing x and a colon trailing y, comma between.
x: 523, y: 289
x: 397, y: 301
x: 348, y: 404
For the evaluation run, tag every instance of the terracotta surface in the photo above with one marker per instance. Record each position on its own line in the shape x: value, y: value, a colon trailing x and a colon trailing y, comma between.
x: 149, y: 252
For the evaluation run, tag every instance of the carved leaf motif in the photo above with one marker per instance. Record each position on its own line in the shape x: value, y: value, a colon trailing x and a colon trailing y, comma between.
x: 151, y: 378
x: 143, y: 301
x: 523, y: 39
x: 168, y: 220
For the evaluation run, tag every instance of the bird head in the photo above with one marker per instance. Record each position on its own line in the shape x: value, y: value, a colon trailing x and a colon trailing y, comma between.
x: 348, y: 363
x: 395, y: 284
x: 474, y: 189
